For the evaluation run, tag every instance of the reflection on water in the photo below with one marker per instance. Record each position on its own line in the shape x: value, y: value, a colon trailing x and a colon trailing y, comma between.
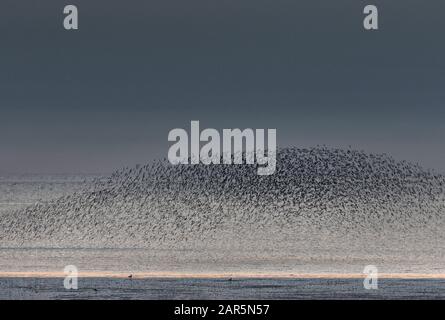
x: 103, y: 288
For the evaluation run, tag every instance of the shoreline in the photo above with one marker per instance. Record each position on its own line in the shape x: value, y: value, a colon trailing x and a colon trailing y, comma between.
x: 222, y: 276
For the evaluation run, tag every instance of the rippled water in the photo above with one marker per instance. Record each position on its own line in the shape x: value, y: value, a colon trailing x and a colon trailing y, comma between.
x: 220, y: 289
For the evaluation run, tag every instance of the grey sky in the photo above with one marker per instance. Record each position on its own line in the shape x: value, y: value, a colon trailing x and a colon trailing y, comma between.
x: 105, y: 96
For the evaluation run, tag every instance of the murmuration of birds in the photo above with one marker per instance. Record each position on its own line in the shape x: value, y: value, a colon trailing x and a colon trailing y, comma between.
x: 317, y: 195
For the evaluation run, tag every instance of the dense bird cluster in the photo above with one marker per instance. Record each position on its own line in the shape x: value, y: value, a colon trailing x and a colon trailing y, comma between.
x: 314, y: 194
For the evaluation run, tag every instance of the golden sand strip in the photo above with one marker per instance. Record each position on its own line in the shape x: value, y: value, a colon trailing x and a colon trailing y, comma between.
x: 240, y: 275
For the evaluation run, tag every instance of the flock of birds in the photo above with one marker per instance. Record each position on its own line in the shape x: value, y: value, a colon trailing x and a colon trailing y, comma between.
x: 316, y: 193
